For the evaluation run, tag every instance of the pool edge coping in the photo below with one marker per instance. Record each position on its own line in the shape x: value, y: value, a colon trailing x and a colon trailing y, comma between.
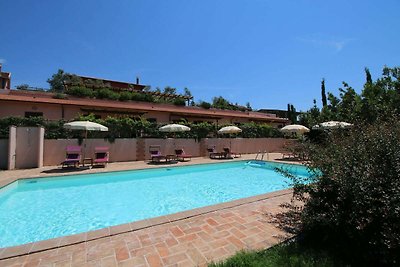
x: 64, y: 241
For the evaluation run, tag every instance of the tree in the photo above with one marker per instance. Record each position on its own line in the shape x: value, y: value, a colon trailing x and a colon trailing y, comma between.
x: 57, y: 81
x: 378, y: 100
x: 248, y: 106
x: 221, y: 103
x: 291, y: 113
x: 169, y: 90
x: 368, y: 76
x: 323, y: 94
x: 187, y: 92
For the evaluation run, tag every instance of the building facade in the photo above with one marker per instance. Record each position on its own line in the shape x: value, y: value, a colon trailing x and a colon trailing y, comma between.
x: 25, y: 103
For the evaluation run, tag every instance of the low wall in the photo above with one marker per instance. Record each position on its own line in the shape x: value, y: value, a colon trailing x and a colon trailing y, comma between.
x: 120, y: 150
x: 138, y: 149
x: 3, y: 153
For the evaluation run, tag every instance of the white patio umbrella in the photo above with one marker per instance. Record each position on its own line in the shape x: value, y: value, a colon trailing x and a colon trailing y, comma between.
x: 229, y: 130
x: 295, y: 128
x: 174, y: 128
x: 85, y: 126
x: 332, y: 125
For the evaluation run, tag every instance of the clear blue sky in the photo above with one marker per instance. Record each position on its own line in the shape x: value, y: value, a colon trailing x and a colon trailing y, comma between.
x: 266, y: 52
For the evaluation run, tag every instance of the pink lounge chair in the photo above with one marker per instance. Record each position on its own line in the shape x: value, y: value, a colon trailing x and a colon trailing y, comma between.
x: 101, y: 155
x: 181, y: 155
x: 156, y: 155
x: 73, y: 156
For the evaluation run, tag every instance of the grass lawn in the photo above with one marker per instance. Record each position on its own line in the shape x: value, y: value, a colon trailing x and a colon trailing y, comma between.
x: 290, y: 254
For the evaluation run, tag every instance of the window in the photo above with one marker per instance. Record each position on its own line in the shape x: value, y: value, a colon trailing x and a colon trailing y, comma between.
x: 33, y: 114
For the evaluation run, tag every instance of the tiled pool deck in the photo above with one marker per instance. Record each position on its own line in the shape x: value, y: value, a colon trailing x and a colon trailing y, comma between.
x: 190, y: 238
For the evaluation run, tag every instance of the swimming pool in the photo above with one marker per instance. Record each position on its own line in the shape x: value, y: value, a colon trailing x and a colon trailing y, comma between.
x: 37, y: 209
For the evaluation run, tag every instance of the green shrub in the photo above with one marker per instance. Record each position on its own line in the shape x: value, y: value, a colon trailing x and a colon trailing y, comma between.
x: 124, y: 127
x: 205, y: 105
x: 179, y: 102
x: 125, y: 96
x: 80, y: 91
x: 353, y: 201
x: 105, y: 93
x: 59, y: 96
x: 143, y: 97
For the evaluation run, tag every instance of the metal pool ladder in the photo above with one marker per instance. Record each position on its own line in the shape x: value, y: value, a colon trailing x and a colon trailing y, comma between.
x: 261, y: 154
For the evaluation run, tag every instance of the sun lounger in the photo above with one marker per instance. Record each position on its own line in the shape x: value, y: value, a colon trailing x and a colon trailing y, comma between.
x: 73, y: 156
x: 101, y: 156
x: 156, y: 155
x: 230, y: 153
x: 181, y: 155
x: 215, y: 155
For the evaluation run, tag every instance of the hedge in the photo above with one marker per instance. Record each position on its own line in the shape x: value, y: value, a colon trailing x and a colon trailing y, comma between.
x: 125, y: 127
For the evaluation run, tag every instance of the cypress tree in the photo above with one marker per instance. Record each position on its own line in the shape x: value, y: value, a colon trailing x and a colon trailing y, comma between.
x: 368, y: 76
x: 323, y: 94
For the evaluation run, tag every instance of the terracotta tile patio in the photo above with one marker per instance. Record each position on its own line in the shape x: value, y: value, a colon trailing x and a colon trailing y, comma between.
x: 191, y: 238
x: 194, y: 241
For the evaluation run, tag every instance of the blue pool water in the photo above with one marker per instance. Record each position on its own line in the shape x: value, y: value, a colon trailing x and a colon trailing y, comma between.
x: 39, y: 209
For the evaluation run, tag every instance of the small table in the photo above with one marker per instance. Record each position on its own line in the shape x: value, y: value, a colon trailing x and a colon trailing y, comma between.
x: 85, y: 160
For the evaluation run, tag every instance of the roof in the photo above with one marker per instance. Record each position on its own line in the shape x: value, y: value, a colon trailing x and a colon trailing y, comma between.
x: 47, y: 98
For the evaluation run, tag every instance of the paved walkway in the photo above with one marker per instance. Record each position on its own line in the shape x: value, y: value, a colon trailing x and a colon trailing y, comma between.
x: 194, y: 241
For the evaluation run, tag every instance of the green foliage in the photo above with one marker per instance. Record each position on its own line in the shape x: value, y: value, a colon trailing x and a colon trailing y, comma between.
x: 59, y: 96
x: 179, y: 102
x: 258, y: 130
x: 169, y: 90
x: 378, y: 100
x: 95, y: 84
x: 288, y: 255
x: 81, y: 91
x: 323, y: 93
x: 187, y: 92
x: 204, y: 105
x: 368, y: 76
x: 53, y: 129
x: 126, y: 127
x: 125, y: 96
x: 248, y: 106
x: 136, y: 96
x: 221, y: 103
x: 202, y: 130
x: 291, y: 113
x: 105, y: 93
x: 353, y: 199
x: 57, y: 81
